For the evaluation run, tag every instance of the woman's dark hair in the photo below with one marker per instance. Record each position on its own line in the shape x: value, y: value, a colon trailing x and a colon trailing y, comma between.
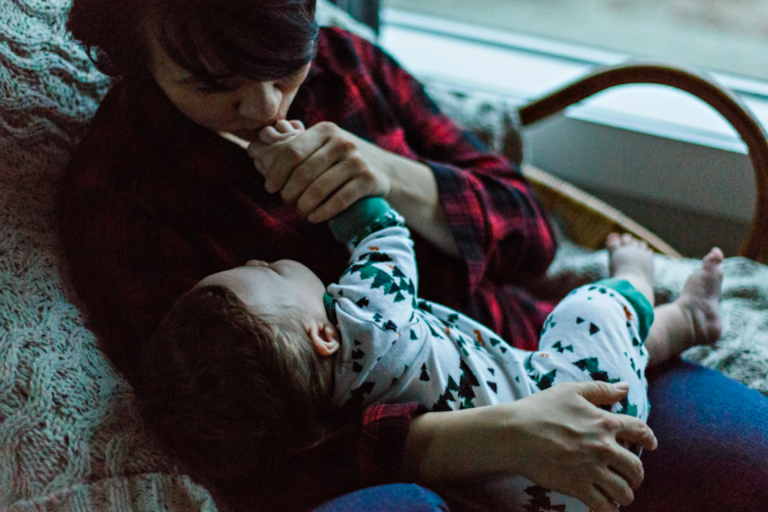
x: 256, y: 39
x: 228, y: 393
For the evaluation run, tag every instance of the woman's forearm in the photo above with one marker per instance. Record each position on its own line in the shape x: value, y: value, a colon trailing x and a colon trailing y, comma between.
x: 414, y: 194
x: 446, y: 446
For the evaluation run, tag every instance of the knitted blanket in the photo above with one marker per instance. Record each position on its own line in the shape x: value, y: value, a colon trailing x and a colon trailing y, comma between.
x: 70, y: 438
x: 70, y: 435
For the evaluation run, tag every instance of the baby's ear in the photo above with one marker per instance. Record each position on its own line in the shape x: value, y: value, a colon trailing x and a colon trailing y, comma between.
x: 325, y: 338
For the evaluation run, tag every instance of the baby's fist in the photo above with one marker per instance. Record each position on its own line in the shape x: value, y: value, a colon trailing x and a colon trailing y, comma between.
x: 281, y: 131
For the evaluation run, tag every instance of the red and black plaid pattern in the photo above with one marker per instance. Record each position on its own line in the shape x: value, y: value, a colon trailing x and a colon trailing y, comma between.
x: 151, y: 203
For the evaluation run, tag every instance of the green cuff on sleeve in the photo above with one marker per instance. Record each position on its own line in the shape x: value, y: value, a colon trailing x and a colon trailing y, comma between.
x: 366, y: 216
x: 642, y: 307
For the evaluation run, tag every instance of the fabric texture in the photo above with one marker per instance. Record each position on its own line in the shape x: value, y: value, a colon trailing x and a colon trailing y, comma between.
x: 70, y: 437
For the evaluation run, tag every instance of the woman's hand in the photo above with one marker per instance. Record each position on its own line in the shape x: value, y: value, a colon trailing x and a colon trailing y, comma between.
x: 557, y: 438
x: 575, y: 445
x: 322, y: 170
x: 325, y: 169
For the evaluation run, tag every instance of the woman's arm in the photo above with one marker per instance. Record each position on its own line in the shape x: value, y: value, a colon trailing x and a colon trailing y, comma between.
x: 414, y: 193
x: 500, y: 228
x: 450, y: 188
x: 351, y: 169
x: 574, y: 452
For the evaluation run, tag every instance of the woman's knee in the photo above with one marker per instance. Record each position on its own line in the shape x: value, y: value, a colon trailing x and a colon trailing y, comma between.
x: 713, y: 443
x: 388, y: 498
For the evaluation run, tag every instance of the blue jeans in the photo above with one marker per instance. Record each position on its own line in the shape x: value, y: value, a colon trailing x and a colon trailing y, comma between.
x: 712, y: 455
x: 713, y: 444
x: 387, y: 498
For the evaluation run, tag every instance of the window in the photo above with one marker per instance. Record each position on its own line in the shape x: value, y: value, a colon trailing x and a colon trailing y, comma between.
x: 643, y: 149
x: 728, y: 36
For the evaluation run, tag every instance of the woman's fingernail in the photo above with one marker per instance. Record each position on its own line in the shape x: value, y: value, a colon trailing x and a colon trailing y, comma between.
x: 621, y: 386
x: 312, y: 217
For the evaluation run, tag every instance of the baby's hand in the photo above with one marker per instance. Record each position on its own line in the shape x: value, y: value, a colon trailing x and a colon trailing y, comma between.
x: 282, y: 131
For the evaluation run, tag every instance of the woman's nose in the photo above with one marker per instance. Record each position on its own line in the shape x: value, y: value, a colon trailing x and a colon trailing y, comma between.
x: 260, y: 101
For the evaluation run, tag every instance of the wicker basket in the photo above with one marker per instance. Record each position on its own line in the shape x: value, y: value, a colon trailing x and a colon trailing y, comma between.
x: 587, y: 219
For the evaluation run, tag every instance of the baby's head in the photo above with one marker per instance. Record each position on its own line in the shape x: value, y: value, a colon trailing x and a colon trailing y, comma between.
x: 287, y: 295
x: 239, y: 373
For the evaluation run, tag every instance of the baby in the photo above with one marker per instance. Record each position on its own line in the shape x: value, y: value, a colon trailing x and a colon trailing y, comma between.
x: 266, y: 353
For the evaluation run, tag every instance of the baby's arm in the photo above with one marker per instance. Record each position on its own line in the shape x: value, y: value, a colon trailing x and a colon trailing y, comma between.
x: 374, y: 302
x: 382, y: 270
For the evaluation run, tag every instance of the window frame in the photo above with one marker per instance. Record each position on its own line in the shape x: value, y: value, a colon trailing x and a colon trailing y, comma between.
x: 649, y: 144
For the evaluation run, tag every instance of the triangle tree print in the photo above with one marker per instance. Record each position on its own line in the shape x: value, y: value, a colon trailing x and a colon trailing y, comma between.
x: 463, y: 390
x: 357, y: 355
x: 560, y: 348
x: 425, y: 306
x: 542, y: 381
x: 539, y: 500
x: 466, y: 383
x: 549, y: 322
x: 639, y: 344
x: 627, y: 408
x: 396, y: 284
x: 357, y: 396
x: 592, y: 366
x: 447, y: 396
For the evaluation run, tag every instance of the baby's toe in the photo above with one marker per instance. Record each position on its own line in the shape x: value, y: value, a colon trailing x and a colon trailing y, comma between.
x: 612, y: 241
x: 628, y: 239
x: 714, y: 257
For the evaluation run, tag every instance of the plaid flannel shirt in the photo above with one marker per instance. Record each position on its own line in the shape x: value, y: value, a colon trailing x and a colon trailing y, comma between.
x: 151, y: 203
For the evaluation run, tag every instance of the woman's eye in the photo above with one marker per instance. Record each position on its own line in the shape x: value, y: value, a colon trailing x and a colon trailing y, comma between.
x: 215, y: 89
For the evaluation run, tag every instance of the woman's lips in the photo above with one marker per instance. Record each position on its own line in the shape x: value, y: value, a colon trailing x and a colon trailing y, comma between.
x: 253, y: 134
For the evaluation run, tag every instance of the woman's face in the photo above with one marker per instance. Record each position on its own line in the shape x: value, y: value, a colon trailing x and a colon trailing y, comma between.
x: 240, y: 106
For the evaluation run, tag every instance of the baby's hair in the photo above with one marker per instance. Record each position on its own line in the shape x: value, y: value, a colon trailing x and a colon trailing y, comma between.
x: 229, y: 392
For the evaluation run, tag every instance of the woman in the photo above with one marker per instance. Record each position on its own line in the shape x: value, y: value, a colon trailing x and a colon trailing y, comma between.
x: 154, y: 200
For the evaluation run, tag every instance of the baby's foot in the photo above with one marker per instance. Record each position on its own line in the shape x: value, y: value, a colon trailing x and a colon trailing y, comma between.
x: 700, y: 301
x: 631, y: 259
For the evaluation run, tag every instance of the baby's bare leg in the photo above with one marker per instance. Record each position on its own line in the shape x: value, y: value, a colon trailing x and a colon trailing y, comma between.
x: 694, y: 318
x: 631, y: 259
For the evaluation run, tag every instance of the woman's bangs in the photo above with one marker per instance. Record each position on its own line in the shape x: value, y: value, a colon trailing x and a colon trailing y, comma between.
x: 183, y: 44
x: 259, y: 48
x: 253, y: 45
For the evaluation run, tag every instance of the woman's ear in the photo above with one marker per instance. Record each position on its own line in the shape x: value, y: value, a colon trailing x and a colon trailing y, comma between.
x: 325, y: 338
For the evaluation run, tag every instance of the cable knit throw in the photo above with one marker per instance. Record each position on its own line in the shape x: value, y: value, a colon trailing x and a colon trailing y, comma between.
x: 70, y: 436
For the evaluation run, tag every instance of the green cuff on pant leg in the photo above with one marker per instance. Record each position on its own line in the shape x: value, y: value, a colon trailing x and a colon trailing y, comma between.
x: 642, y: 307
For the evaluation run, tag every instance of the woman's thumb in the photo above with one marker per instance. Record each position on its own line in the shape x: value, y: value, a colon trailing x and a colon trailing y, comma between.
x: 603, y: 393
